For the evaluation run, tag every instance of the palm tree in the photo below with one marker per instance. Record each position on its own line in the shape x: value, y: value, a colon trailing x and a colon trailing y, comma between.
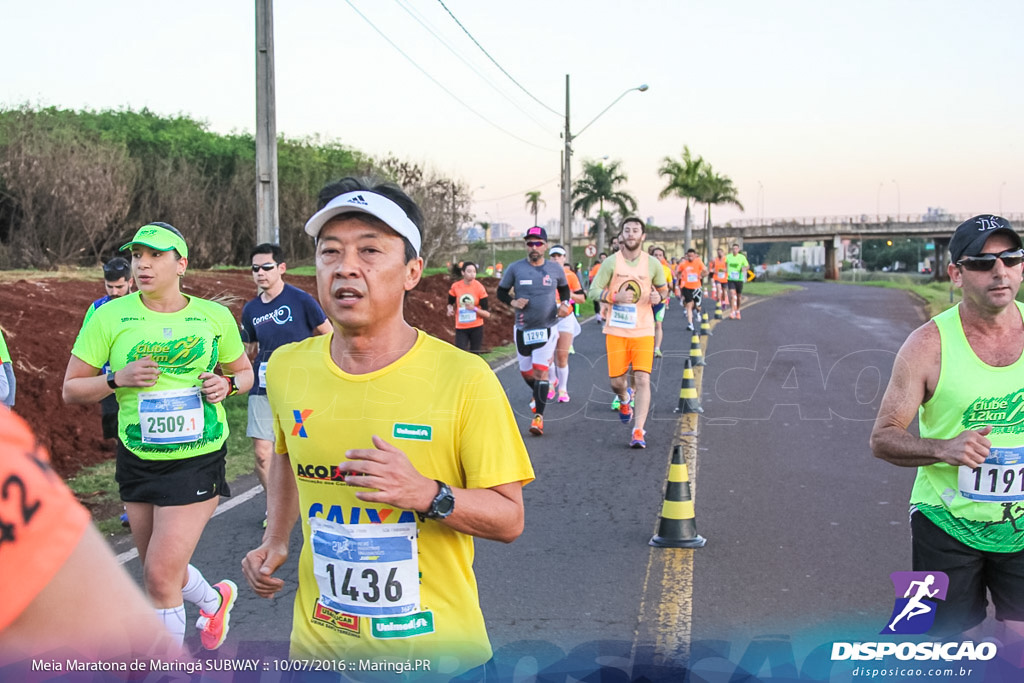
x: 715, y: 189
x: 684, y: 178
x: 486, y: 227
x: 599, y: 184
x: 533, y: 202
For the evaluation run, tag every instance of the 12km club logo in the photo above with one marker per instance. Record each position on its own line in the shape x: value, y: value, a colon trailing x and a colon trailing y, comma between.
x: 913, y: 611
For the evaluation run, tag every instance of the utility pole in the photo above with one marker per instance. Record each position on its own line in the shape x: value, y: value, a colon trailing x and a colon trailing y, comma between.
x: 267, y: 217
x: 567, y: 179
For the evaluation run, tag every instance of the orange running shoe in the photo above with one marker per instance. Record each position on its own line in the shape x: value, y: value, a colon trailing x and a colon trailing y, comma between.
x: 213, y: 628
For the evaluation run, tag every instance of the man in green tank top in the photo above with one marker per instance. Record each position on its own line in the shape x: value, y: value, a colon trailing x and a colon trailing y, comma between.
x: 962, y: 374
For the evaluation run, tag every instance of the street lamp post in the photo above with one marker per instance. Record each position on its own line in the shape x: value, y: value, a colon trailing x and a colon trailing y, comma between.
x: 567, y: 161
x: 897, y: 200
x: 878, y: 203
x: 1001, y: 197
x: 760, y: 202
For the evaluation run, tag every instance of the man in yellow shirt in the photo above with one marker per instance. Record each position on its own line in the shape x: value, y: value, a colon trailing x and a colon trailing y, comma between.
x: 394, y: 449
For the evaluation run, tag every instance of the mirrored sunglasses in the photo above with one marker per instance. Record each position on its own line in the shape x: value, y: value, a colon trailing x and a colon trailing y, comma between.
x: 265, y: 266
x: 535, y: 244
x: 988, y: 261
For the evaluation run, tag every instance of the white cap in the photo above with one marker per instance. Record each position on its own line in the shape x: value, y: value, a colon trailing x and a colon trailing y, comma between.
x: 364, y: 201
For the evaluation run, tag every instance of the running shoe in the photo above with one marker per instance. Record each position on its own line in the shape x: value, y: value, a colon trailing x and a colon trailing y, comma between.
x: 213, y: 628
x: 737, y: 315
x: 616, y: 402
x: 638, y: 439
x: 537, y: 426
x: 625, y: 412
x: 533, y: 406
x: 124, y: 520
x: 657, y: 353
x: 563, y: 396
x: 689, y: 327
x: 552, y: 389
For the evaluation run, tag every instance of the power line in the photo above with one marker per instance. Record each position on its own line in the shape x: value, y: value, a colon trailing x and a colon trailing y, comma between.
x: 415, y: 15
x: 495, y: 62
x: 440, y: 85
x: 517, y: 194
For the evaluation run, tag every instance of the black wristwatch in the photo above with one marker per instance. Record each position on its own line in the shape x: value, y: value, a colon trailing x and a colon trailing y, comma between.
x: 443, y: 503
x: 111, y: 382
x: 234, y: 385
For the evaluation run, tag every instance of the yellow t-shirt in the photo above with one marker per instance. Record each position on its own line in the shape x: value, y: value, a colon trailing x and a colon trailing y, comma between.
x: 445, y: 409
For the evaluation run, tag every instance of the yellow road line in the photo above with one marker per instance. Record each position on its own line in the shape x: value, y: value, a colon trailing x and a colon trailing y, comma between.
x: 666, y: 616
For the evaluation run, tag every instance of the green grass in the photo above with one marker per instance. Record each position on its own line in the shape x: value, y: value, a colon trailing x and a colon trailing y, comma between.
x: 302, y: 270
x: 767, y: 288
x: 499, y: 353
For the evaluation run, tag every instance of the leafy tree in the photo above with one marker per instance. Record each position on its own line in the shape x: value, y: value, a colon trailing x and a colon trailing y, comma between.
x: 684, y: 177
x: 74, y: 185
x: 533, y: 202
x: 64, y: 188
x: 598, y: 184
x: 714, y: 190
x: 444, y: 202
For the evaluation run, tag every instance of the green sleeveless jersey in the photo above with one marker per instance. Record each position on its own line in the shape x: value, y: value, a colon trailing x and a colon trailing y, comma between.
x: 736, y: 266
x: 170, y: 420
x: 981, y: 507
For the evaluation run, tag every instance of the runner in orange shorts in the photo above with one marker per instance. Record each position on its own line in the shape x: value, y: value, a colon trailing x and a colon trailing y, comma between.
x: 631, y: 281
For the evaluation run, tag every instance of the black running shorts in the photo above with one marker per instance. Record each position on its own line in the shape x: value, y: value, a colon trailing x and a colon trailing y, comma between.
x: 171, y: 482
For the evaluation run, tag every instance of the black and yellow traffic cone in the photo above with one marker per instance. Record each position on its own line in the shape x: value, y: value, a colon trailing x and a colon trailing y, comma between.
x: 705, y: 326
x: 689, y: 401
x: 677, y: 528
x: 696, y: 355
x: 718, y: 310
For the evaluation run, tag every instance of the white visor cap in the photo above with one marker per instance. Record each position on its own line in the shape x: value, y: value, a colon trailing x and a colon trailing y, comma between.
x: 374, y: 204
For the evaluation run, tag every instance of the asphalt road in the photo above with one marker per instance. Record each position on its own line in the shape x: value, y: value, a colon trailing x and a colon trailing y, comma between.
x: 803, y: 525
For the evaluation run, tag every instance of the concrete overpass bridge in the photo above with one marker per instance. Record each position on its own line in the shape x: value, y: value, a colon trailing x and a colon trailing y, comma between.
x: 830, y: 231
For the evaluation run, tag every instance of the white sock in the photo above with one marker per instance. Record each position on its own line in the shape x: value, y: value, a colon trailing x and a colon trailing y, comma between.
x: 563, y: 378
x: 200, y: 593
x: 173, y: 619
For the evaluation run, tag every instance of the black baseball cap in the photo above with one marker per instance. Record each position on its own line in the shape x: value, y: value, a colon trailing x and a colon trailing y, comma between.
x: 971, y: 235
x: 536, y: 232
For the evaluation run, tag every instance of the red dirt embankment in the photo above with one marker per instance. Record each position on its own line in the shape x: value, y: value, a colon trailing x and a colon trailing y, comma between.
x: 41, y: 318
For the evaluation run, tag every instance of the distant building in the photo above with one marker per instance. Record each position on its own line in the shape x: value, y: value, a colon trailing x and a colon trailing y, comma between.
x: 936, y: 214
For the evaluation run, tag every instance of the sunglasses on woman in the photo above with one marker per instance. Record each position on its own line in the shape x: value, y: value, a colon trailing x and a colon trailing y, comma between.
x: 266, y: 266
x: 988, y: 261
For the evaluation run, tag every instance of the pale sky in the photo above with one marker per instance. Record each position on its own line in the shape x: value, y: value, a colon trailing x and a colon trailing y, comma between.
x: 813, y: 108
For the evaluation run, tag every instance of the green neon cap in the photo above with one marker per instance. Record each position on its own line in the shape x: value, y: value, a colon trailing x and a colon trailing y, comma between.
x: 157, y: 236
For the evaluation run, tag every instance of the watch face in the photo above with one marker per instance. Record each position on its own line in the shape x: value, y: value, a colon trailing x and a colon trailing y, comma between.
x: 446, y: 504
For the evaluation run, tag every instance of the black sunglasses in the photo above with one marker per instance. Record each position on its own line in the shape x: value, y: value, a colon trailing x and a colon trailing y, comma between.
x: 265, y: 266
x: 987, y: 261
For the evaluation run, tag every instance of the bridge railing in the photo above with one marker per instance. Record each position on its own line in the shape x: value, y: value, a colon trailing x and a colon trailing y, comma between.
x: 864, y: 218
